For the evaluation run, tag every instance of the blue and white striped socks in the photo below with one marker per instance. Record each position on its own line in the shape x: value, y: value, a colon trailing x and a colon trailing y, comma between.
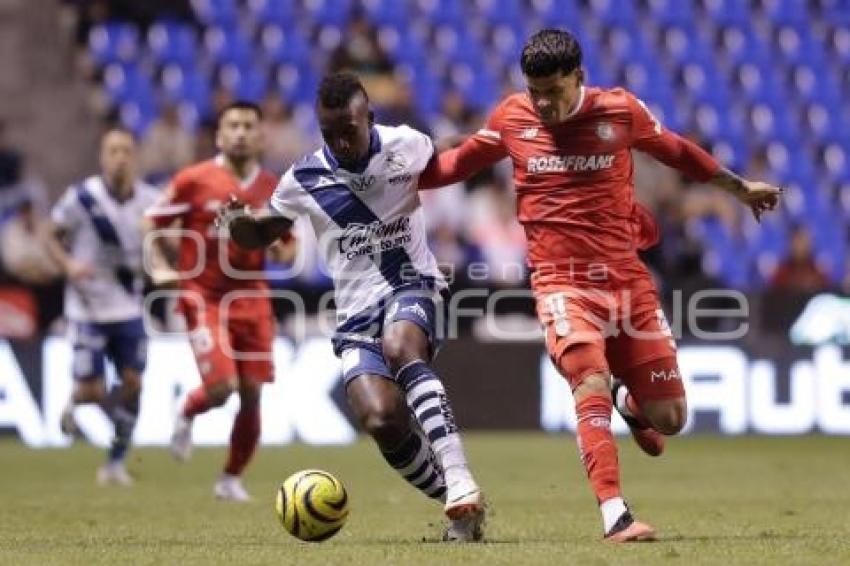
x: 416, y: 463
x: 427, y: 398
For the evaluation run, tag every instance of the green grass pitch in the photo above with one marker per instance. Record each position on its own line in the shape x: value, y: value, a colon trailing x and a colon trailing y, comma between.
x: 713, y: 500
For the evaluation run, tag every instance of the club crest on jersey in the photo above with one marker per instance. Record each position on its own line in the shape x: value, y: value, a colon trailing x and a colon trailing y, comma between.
x: 528, y: 134
x: 605, y: 131
x: 395, y: 162
x: 361, y: 184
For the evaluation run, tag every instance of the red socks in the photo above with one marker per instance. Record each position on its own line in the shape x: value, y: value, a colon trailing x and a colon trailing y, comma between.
x: 597, y: 447
x: 243, y: 439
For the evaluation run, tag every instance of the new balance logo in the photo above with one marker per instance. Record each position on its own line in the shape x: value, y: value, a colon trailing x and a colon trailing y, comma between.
x: 528, y: 134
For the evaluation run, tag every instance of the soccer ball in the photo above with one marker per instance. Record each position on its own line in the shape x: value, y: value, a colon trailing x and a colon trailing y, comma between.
x: 312, y: 505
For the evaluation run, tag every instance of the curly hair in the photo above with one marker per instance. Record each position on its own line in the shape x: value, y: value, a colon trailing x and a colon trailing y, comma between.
x: 336, y: 90
x: 549, y: 51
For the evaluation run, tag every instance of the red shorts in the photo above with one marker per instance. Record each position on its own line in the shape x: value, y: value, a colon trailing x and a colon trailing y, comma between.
x: 236, y: 346
x: 622, y: 331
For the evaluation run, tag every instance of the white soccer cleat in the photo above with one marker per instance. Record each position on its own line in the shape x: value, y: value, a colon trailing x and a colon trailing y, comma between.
x: 114, y: 473
x: 466, y: 511
x: 181, y: 438
x: 230, y: 488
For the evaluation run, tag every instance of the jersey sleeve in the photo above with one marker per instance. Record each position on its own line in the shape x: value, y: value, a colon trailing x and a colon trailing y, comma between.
x: 418, y: 148
x: 65, y: 214
x: 482, y: 149
x: 288, y: 198
x: 174, y: 202
x: 650, y: 136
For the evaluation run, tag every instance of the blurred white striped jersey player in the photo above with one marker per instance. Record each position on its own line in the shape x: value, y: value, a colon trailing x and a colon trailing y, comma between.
x: 101, y: 225
x: 371, y: 232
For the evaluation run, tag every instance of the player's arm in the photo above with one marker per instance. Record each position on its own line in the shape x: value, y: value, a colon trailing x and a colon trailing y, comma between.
x: 74, y: 270
x: 648, y: 135
x: 462, y: 160
x: 166, y: 213
x: 252, y: 230
x: 64, y: 220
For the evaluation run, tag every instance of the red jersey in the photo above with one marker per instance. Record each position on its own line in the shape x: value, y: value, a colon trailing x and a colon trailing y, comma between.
x: 575, y: 193
x: 196, y: 194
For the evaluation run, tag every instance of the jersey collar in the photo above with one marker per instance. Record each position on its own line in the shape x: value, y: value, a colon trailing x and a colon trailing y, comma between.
x: 374, y: 149
x: 244, y: 182
x: 579, y: 103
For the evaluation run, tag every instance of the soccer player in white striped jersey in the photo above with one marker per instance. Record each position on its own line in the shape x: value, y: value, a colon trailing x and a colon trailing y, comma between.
x: 100, y: 221
x: 359, y: 191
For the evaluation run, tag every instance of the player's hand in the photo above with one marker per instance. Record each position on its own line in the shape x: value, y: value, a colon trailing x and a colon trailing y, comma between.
x: 77, y: 270
x: 231, y: 209
x: 760, y: 197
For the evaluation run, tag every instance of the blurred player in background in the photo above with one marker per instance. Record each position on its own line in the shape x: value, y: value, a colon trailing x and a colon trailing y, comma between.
x: 570, y: 146
x: 359, y: 192
x: 231, y: 340
x: 100, y: 222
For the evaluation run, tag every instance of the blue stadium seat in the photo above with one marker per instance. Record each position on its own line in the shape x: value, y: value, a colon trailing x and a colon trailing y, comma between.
x: 672, y: 12
x: 137, y: 116
x: 222, y: 13
x: 479, y: 88
x: 787, y: 12
x: 228, y: 46
x: 558, y: 13
x: 797, y: 46
x: 284, y: 45
x: 114, y: 42
x: 187, y: 86
x: 499, y: 12
x: 755, y: 83
x: 282, y: 13
x: 124, y: 83
x: 245, y: 83
x: 457, y: 45
x: 626, y: 45
x: 330, y: 12
x: 296, y: 83
x: 507, y: 41
x: 614, y: 12
x: 728, y: 12
x: 172, y: 42
x: 442, y: 13
x: 403, y: 47
x: 388, y: 12
x: 733, y: 151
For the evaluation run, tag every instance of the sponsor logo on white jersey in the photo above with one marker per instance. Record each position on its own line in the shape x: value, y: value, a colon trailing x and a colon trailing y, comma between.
x: 564, y: 163
x: 369, y: 239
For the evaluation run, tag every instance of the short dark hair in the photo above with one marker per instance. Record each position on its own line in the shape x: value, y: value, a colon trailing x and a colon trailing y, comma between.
x: 549, y: 51
x: 240, y: 105
x: 118, y: 129
x: 337, y: 89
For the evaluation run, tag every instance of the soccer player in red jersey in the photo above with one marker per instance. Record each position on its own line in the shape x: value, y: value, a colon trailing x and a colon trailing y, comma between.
x: 223, y: 297
x: 570, y: 145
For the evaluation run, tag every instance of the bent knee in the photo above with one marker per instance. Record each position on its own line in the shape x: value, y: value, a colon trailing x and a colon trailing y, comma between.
x: 397, y: 353
x: 667, y: 417
x: 219, y: 393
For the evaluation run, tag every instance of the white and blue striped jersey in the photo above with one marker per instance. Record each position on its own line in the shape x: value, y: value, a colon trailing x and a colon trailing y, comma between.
x: 106, y: 234
x: 369, y: 224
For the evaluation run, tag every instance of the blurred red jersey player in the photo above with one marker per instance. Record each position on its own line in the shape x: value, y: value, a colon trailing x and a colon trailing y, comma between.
x: 571, y: 151
x: 223, y: 292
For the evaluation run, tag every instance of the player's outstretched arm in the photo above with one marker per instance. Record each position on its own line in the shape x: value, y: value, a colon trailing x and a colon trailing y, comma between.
x: 459, y: 163
x: 759, y: 196
x: 251, y: 231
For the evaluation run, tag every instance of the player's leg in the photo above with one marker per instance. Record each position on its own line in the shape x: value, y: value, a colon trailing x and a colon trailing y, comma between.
x: 649, y: 393
x: 575, y: 344
x: 251, y: 339
x: 218, y: 376
x: 87, y: 371
x: 409, y: 340
x: 127, y: 348
x: 381, y: 411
